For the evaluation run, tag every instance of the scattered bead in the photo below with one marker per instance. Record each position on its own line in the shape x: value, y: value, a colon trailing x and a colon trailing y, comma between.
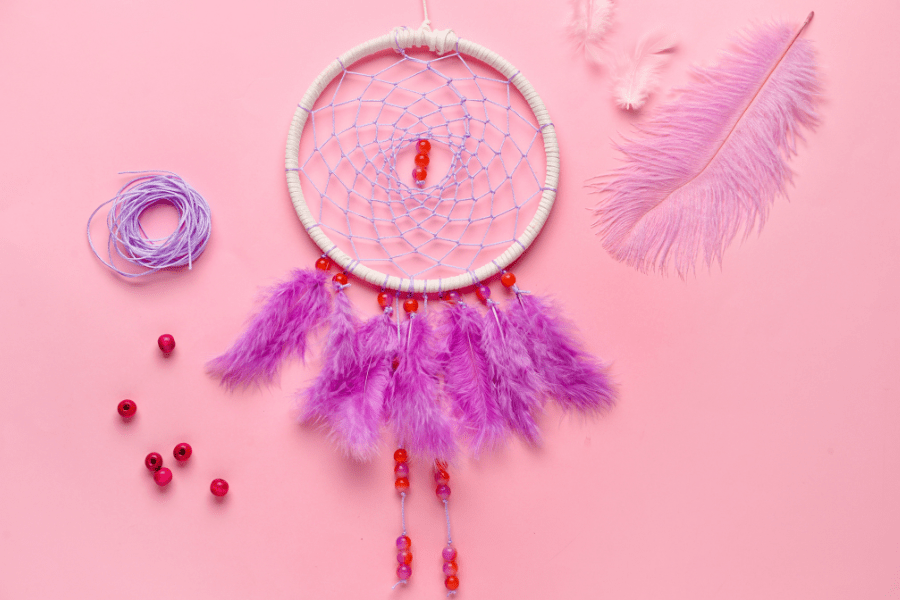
x: 451, y: 583
x: 404, y: 557
x: 400, y: 455
x: 410, y: 305
x: 127, y: 408
x: 323, y: 264
x: 385, y: 299
x: 153, y: 461
x: 450, y: 567
x: 422, y: 160
x: 441, y: 477
x: 340, y: 278
x: 403, y: 542
x: 423, y: 146
x: 419, y: 173
x: 442, y: 491
x: 402, y: 484
x: 218, y: 487
x: 182, y: 452
x: 508, y: 279
x: 403, y: 572
x: 483, y: 292
x: 162, y: 477
x: 401, y: 470
x: 166, y: 343
x: 448, y: 553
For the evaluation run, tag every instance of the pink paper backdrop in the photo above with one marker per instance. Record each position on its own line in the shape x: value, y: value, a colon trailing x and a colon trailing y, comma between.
x: 754, y: 452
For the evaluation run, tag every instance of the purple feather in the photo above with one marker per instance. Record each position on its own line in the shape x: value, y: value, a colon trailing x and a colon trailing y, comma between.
x: 357, y: 421
x: 341, y: 367
x: 413, y: 403
x: 711, y: 163
x: 514, y: 384
x: 292, y: 310
x: 467, y: 379
x: 574, y: 378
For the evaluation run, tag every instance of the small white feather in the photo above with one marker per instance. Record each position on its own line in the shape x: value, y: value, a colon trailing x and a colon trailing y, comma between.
x: 589, y: 21
x: 637, y: 76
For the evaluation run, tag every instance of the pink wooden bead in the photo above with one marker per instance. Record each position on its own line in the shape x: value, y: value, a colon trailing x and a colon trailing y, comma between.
x: 218, y: 487
x: 403, y: 542
x: 448, y: 553
x: 162, y: 477
x: 166, y: 343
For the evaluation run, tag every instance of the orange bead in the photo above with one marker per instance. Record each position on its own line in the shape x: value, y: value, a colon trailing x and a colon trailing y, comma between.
x: 422, y: 160
x: 401, y: 484
x: 385, y: 299
x: 423, y: 146
x: 400, y: 455
x: 410, y: 305
x: 508, y: 279
x: 451, y: 583
x: 323, y: 264
x: 340, y: 278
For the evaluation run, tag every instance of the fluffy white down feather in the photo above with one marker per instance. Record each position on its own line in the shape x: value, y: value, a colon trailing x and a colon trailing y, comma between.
x: 589, y: 20
x: 637, y: 75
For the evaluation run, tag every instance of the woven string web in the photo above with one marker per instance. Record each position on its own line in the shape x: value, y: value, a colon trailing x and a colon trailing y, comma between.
x: 484, y: 178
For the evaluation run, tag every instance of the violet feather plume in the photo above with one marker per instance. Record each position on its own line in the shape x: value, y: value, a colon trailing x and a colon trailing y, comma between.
x: 574, y: 378
x: 467, y: 378
x: 357, y: 422
x: 514, y: 383
x: 711, y: 163
x: 413, y: 402
x: 293, y: 309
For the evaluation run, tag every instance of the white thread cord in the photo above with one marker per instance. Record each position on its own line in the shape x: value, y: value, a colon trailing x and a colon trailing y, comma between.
x: 426, y: 23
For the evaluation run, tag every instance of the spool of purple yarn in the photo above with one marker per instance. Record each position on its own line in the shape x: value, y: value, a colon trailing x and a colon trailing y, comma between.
x: 129, y: 240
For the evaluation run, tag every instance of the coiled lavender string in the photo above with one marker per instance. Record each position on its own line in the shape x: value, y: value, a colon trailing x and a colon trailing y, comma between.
x: 130, y: 241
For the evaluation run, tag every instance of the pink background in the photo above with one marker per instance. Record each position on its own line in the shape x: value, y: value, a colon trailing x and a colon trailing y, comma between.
x: 754, y: 452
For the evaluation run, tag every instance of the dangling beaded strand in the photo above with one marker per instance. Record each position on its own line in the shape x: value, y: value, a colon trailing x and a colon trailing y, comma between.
x: 442, y: 491
x: 404, y: 544
x: 419, y: 173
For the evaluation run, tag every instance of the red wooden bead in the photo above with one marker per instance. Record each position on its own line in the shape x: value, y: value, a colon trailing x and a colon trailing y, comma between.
x: 166, y: 343
x: 410, y: 305
x: 323, y: 264
x: 441, y: 477
x: 401, y: 455
x: 451, y: 583
x: 385, y: 299
x: 402, y: 484
x: 508, y: 279
x: 422, y: 160
x: 419, y: 173
x: 162, y: 477
x: 423, y: 146
x: 127, y: 408
x: 218, y: 487
x: 340, y: 278
x: 153, y: 461
x: 182, y: 452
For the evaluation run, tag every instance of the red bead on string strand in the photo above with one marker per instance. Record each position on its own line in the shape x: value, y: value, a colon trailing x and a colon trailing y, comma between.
x: 442, y: 491
x: 404, y: 544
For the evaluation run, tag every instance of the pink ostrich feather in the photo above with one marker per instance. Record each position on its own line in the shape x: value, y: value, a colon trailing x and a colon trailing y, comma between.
x: 569, y: 375
x: 413, y: 407
x: 293, y: 309
x: 711, y: 163
x: 514, y: 380
x: 467, y: 378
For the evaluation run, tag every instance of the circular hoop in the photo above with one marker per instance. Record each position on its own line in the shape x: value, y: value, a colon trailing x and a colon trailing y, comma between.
x: 438, y: 42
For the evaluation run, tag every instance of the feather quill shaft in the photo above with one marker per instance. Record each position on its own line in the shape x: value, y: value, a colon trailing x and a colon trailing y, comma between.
x: 293, y: 309
x: 711, y: 163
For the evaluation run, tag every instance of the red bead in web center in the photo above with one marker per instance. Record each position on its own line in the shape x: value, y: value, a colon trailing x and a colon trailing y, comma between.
x: 423, y: 146
x: 419, y: 173
x: 422, y: 160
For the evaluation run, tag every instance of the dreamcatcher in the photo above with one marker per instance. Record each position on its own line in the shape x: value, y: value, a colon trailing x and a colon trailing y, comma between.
x: 421, y: 163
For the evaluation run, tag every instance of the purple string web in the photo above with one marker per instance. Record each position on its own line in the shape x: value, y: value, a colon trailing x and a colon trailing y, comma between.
x: 483, y: 183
